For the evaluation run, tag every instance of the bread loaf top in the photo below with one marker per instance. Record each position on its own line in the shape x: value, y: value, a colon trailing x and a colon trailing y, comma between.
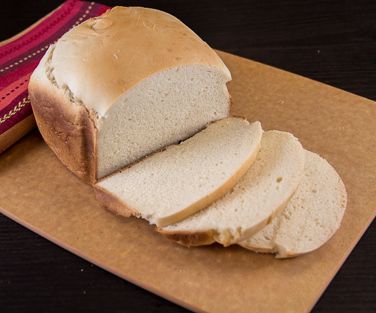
x: 100, y: 59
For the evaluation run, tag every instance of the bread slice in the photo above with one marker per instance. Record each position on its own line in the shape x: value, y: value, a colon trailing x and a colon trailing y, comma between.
x: 260, y: 194
x: 311, y: 217
x: 181, y: 180
x: 123, y: 85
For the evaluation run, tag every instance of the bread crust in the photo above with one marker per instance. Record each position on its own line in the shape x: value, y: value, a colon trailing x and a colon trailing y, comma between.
x: 66, y: 127
x: 190, y: 239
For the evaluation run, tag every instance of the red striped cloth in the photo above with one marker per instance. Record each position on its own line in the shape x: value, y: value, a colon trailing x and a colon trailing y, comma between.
x: 20, y: 55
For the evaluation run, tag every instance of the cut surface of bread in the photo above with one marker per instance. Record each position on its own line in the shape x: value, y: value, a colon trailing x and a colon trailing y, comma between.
x: 170, y: 185
x: 123, y: 85
x: 175, y: 104
x: 311, y: 217
x: 261, y: 193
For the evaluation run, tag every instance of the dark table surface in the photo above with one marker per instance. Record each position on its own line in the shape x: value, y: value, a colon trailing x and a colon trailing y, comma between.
x: 330, y: 41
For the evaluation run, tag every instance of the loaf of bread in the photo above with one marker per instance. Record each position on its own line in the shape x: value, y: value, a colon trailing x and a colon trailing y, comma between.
x: 311, y: 217
x: 120, y: 86
x: 173, y: 184
x: 136, y: 104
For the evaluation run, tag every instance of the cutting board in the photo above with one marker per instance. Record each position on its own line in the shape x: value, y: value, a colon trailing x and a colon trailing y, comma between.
x: 39, y: 193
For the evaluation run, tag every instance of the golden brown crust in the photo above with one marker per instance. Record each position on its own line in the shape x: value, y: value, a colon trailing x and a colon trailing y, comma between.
x: 112, y: 203
x: 66, y: 128
x: 189, y: 239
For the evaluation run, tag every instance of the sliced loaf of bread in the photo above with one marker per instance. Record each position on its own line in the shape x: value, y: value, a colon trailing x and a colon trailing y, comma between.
x: 173, y: 184
x: 311, y: 217
x: 262, y: 192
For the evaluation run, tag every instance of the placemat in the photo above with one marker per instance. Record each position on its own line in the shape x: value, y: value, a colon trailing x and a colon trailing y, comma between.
x: 20, y: 55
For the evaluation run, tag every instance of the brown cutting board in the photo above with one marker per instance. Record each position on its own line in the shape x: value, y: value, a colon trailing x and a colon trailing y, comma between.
x: 38, y: 192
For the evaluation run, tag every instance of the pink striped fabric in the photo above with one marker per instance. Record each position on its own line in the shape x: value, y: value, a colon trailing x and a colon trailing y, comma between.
x: 19, y: 57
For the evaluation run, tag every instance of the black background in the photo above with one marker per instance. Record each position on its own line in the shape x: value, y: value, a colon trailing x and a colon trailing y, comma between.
x: 330, y: 41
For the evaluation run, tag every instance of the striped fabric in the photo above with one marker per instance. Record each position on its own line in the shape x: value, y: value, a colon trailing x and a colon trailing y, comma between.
x: 20, y: 55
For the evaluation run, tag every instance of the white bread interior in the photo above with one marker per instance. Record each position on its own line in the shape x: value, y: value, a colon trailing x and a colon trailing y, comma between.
x: 173, y: 184
x: 311, y: 217
x: 176, y: 103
